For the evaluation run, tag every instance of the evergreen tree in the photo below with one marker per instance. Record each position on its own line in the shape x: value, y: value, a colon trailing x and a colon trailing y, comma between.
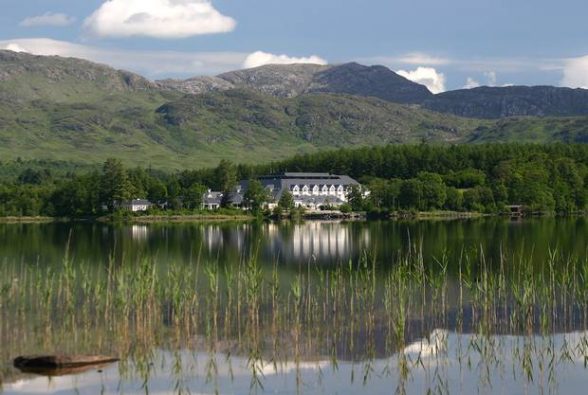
x: 115, y: 185
x: 286, y: 201
x: 255, y: 196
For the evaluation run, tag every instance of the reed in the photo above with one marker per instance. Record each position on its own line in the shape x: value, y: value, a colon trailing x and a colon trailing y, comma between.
x: 358, y: 313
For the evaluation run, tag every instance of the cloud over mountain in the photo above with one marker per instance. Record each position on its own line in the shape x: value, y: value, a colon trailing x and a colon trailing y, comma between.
x: 426, y: 76
x: 158, y: 19
x: 154, y: 64
x: 14, y: 47
x: 261, y: 58
x: 575, y: 73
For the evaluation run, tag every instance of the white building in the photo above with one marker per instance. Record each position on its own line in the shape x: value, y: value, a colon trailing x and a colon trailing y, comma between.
x: 309, y: 190
x: 212, y: 200
x: 135, y: 205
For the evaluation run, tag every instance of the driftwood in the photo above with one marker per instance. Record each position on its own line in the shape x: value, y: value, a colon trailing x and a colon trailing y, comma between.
x: 57, y: 372
x: 57, y: 365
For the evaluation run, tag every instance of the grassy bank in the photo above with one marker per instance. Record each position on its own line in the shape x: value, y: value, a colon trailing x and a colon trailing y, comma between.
x: 28, y: 220
x: 190, y: 218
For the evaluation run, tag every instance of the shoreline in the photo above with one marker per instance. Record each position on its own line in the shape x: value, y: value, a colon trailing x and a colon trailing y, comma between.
x: 186, y: 218
x: 31, y: 220
x: 312, y: 216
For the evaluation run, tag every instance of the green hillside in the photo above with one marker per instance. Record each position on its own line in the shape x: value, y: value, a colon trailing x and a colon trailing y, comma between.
x: 533, y: 129
x: 62, y: 109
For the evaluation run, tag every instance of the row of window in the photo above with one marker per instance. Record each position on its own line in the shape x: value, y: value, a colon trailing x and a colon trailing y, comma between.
x: 316, y: 190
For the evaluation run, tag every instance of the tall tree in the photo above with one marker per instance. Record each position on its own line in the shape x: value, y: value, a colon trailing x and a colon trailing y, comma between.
x: 255, y: 196
x: 226, y: 175
x: 286, y: 201
x: 115, y: 185
x: 193, y: 196
x: 226, y: 178
x: 355, y: 198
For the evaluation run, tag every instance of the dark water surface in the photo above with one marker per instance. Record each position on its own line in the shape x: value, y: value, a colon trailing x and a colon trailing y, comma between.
x: 450, y: 307
x: 322, y: 243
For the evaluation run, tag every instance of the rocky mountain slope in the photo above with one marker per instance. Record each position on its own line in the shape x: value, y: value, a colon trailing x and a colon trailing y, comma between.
x: 299, y: 79
x: 24, y: 76
x: 383, y: 83
x: 494, y: 102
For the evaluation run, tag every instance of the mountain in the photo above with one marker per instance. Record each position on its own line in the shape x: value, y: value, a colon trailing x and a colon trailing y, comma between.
x: 24, y: 76
x: 72, y: 110
x: 68, y: 109
x: 381, y: 82
x: 323, y: 120
x: 495, y: 102
x: 299, y: 79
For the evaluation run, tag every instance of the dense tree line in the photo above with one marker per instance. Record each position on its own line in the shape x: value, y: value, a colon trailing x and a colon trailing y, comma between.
x: 548, y: 178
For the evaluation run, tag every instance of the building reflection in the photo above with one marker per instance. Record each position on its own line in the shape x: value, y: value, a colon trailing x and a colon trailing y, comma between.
x: 316, y: 241
x: 139, y: 232
x: 324, y: 242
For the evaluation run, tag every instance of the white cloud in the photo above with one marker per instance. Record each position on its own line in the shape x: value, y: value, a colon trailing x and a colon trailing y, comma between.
x: 471, y: 83
x: 157, y: 18
x: 423, y: 59
x: 411, y: 58
x: 12, y: 47
x: 48, y: 19
x: 575, y: 73
x: 260, y: 58
x: 152, y: 64
x: 490, y: 78
x: 427, y: 76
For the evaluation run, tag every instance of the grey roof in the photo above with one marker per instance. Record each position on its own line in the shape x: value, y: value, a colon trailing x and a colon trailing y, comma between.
x: 307, y: 175
x: 279, y: 183
x: 236, y: 198
x: 304, y: 176
x: 212, y: 198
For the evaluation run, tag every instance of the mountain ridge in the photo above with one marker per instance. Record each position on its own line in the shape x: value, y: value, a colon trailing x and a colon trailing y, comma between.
x: 503, y: 102
x: 298, y: 79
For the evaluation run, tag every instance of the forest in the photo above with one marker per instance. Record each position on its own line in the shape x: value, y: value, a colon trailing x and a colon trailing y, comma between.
x: 480, y: 178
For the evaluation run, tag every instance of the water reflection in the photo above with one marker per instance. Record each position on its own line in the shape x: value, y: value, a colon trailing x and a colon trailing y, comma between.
x: 328, y: 243
x: 444, y: 307
x: 139, y: 232
x: 442, y: 362
x: 317, y: 240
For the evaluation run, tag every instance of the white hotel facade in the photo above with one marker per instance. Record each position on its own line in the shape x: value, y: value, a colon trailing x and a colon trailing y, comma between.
x: 309, y: 190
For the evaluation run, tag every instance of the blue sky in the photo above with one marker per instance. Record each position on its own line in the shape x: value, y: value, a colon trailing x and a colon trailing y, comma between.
x: 446, y: 44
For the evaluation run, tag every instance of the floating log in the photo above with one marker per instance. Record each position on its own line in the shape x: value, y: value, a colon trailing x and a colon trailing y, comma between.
x: 48, y: 362
x: 57, y: 372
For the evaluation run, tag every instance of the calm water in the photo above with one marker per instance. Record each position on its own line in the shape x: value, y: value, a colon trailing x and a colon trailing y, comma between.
x: 483, y: 306
x: 290, y: 244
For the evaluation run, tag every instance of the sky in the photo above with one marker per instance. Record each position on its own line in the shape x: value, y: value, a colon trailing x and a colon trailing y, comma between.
x: 446, y: 45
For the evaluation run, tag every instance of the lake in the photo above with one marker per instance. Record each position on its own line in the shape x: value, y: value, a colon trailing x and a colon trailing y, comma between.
x: 440, y: 306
